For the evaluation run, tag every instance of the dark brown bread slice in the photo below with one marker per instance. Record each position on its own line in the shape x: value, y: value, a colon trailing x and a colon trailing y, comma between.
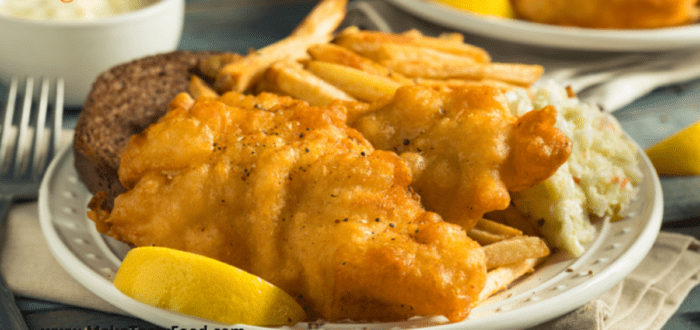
x: 124, y: 101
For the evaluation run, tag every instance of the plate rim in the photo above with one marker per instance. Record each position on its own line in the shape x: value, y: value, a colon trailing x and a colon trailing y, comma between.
x: 522, y: 317
x: 545, y: 35
x: 96, y: 284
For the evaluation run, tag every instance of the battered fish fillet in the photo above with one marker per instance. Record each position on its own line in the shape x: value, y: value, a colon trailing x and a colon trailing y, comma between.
x: 609, y: 14
x: 465, y: 148
x: 288, y: 192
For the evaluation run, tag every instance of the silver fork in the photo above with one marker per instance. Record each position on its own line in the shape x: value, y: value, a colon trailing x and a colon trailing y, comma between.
x: 22, y: 166
x: 631, y: 64
x: 614, y: 82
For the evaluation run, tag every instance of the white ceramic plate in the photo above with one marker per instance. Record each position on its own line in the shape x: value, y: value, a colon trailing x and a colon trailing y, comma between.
x: 554, y: 36
x: 553, y: 290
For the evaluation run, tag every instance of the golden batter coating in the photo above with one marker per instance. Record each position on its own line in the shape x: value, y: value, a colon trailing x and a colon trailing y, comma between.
x: 609, y: 14
x: 465, y: 148
x: 288, y: 192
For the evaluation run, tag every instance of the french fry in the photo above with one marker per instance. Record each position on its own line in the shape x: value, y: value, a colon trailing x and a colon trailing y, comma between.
x: 512, y: 217
x: 358, y: 84
x: 182, y: 100
x: 213, y: 64
x: 322, y: 21
x: 458, y: 83
x: 335, y: 54
x: 497, y: 228
x: 316, y: 28
x: 199, y: 88
x: 455, y: 37
x: 265, y: 84
x: 413, y: 33
x: 484, y: 237
x: 392, y: 53
x: 293, y: 80
x: 369, y: 41
x: 452, y: 36
x: 514, y: 250
x: 517, y: 74
x: 501, y: 277
x: 488, y: 232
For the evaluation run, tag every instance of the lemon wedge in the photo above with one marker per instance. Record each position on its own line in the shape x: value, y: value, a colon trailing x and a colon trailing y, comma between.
x: 199, y: 286
x: 500, y: 8
x: 678, y: 154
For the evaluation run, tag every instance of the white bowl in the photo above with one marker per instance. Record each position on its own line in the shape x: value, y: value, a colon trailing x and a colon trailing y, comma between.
x: 80, y: 50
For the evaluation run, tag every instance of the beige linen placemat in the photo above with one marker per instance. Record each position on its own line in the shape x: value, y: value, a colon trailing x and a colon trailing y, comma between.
x: 646, y: 298
x: 30, y: 269
x: 28, y: 266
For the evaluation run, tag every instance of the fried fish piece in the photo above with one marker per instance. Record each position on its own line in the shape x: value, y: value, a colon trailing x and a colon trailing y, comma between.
x: 290, y: 193
x: 465, y: 148
x: 606, y: 14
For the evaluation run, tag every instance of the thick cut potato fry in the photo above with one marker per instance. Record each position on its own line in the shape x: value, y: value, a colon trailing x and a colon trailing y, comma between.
x: 293, y: 80
x: 322, y: 20
x: 517, y: 74
x: 390, y: 53
x: 241, y: 75
x: 488, y: 232
x: 335, y: 54
x: 369, y: 41
x: 497, y: 228
x: 451, y: 36
x: 359, y: 84
x: 181, y: 100
x: 459, y: 83
x: 316, y: 28
x: 267, y: 85
x: 213, y: 64
x: 514, y: 250
x: 514, y: 218
x: 500, y: 278
x: 199, y: 88
x: 484, y: 237
x: 455, y: 37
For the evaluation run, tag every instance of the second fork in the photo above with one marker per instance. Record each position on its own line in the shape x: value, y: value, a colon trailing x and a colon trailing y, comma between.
x: 22, y: 166
x: 30, y: 160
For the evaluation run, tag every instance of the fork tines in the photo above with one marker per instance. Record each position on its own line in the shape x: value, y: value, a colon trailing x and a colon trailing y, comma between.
x: 16, y: 155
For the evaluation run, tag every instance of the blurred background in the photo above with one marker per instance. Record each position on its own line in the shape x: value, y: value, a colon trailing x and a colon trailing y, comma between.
x: 210, y: 24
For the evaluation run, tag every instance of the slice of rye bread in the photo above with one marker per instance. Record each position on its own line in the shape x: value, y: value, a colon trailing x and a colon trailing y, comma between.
x: 124, y: 101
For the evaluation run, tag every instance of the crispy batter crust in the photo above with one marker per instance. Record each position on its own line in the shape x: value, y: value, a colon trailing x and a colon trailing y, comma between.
x: 290, y: 193
x: 609, y: 14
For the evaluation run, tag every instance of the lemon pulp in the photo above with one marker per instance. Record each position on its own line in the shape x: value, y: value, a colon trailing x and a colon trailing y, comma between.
x: 679, y: 154
x: 199, y: 286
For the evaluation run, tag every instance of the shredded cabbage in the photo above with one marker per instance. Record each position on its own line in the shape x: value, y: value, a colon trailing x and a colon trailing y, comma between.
x: 599, y: 179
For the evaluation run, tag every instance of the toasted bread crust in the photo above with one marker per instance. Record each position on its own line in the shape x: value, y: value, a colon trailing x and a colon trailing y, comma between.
x: 124, y: 101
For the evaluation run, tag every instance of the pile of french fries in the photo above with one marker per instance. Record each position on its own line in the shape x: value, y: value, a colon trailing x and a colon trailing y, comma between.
x: 315, y: 65
x: 509, y: 254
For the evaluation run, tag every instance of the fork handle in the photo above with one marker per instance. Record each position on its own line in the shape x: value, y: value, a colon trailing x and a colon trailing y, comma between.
x: 10, y: 316
x: 9, y: 310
